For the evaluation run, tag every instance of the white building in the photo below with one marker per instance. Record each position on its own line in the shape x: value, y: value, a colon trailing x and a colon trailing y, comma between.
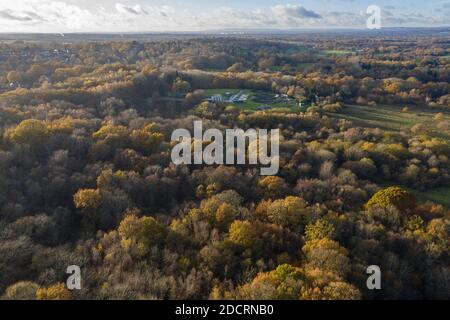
x: 217, y: 98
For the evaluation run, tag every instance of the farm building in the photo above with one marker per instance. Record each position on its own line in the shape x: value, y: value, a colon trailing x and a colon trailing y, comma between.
x: 217, y: 98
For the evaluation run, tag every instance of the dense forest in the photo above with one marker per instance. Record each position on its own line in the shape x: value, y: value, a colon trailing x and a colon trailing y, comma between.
x: 86, y: 176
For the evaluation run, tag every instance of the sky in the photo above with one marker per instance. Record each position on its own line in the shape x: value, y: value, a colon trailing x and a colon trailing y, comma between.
x: 64, y: 16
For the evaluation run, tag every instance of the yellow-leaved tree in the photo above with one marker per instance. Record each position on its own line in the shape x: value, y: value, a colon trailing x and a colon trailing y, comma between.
x: 393, y: 196
x: 55, y: 292
x: 141, y: 233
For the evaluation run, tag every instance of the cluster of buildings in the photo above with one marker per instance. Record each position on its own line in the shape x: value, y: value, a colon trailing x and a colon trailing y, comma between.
x: 239, y: 97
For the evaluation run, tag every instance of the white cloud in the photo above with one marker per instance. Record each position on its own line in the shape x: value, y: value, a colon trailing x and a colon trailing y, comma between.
x: 25, y: 13
x: 22, y: 16
x: 135, y: 10
x: 109, y: 15
x: 294, y: 11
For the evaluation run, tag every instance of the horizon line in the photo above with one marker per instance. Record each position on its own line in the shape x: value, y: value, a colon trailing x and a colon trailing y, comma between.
x: 249, y: 29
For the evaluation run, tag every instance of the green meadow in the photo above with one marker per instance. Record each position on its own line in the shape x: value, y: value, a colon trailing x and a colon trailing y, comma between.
x: 256, y: 98
x: 436, y: 195
x: 393, y: 118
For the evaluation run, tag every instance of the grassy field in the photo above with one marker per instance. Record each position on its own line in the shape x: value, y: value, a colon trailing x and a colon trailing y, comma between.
x: 436, y: 195
x: 392, y: 118
x: 337, y: 52
x: 210, y: 92
x: 256, y: 98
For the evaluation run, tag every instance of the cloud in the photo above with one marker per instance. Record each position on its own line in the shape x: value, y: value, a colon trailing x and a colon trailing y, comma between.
x: 386, y: 13
x: 51, y: 14
x: 22, y: 16
x: 413, y: 19
x: 443, y: 8
x: 289, y: 11
x: 136, y: 10
x: 126, y: 16
x: 346, y: 18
